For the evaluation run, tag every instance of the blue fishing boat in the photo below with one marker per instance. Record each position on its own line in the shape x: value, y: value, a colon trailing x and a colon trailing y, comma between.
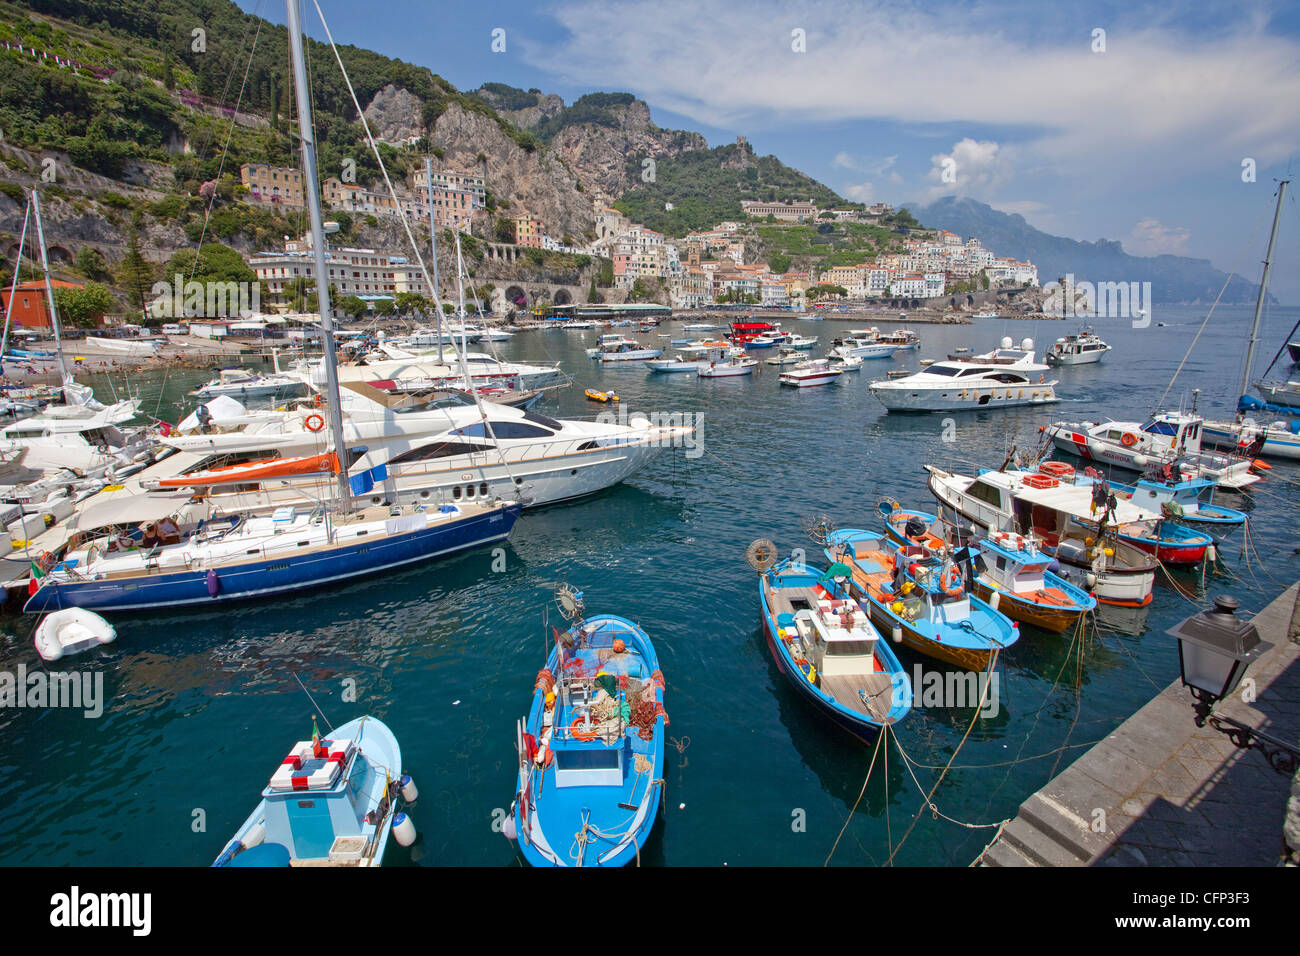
x: 921, y: 598
x: 1186, y: 500
x: 591, y: 750
x: 826, y: 646
x: 331, y: 802
x: 1011, y: 573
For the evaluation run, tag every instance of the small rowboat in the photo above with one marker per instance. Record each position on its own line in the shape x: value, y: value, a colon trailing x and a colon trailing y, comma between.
x: 596, y: 396
x: 261, y: 470
x: 71, y: 631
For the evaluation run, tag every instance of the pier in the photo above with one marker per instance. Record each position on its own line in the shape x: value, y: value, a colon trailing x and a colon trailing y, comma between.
x: 1160, y: 791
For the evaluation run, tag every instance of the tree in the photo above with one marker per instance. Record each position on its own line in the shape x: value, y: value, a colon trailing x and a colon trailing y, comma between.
x: 90, y: 263
x: 300, y: 295
x: 385, y: 307
x: 213, y: 263
x: 352, y: 305
x: 779, y: 263
x: 135, y: 273
x: 83, y: 307
x: 504, y: 229
x: 593, y: 296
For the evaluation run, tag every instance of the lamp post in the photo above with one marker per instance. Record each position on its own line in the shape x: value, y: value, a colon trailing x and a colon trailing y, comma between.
x: 1215, y: 648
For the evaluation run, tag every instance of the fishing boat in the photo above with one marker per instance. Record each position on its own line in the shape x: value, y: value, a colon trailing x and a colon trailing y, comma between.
x: 1064, y: 519
x: 71, y: 631
x: 1002, y: 378
x: 985, y: 314
x: 811, y: 374
x: 591, y: 749
x: 825, y: 645
x: 848, y: 363
x: 677, y: 364
x: 1012, y: 574
x: 628, y: 351
x: 1166, y: 438
x: 903, y: 340
x: 596, y: 396
x: 865, y: 346
x: 1281, y: 393
x: 801, y: 343
x: 921, y: 598
x: 332, y: 801
x: 1083, y: 348
x: 786, y: 356
x: 248, y: 384
x: 764, y: 341
x: 613, y: 340
x: 726, y: 368
x: 1183, y: 498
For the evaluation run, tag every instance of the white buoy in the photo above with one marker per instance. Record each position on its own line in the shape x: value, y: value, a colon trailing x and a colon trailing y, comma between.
x: 508, y: 827
x: 403, y: 829
x: 897, y: 634
x: 409, y: 791
x: 1211, y: 553
x: 995, y: 599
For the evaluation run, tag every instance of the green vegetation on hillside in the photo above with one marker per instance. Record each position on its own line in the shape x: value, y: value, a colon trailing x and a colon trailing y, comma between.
x: 831, y: 244
x: 705, y: 187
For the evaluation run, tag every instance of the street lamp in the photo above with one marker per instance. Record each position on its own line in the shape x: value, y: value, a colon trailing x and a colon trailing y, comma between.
x: 1215, y: 648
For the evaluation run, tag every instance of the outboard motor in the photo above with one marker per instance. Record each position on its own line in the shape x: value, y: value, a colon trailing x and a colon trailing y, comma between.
x: 915, y: 528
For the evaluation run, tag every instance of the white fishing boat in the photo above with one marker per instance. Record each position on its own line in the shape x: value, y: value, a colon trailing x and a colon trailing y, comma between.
x: 729, y: 367
x: 801, y: 342
x: 1083, y: 348
x: 986, y: 314
x: 612, y: 340
x: 1166, y: 438
x: 810, y: 374
x: 1003, y: 378
x: 786, y: 356
x: 628, y: 351
x: 847, y: 363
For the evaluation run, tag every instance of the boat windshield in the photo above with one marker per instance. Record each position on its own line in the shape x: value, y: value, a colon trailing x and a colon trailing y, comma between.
x: 944, y: 370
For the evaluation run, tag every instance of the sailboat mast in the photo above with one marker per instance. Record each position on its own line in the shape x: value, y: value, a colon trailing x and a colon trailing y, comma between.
x: 311, y: 190
x: 1263, y: 287
x: 49, y: 288
x: 433, y: 246
x: 13, y: 289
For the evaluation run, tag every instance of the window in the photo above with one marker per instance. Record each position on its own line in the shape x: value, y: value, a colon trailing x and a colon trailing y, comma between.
x: 504, y: 430
x: 437, y: 450
x: 981, y: 491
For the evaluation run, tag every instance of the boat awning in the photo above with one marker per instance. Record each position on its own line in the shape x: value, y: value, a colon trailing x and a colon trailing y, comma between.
x: 133, y: 509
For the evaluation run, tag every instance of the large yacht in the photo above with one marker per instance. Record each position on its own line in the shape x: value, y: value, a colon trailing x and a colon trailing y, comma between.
x: 1004, y: 377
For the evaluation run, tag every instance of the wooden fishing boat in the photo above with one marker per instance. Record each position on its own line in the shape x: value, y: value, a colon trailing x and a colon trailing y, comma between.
x: 591, y: 750
x: 330, y: 802
x: 827, y: 647
x: 920, y: 598
x: 1014, y: 577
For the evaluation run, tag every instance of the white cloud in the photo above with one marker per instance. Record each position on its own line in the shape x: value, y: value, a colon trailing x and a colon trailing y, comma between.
x: 860, y: 192
x: 1151, y: 237
x: 1160, y: 101
x: 970, y: 168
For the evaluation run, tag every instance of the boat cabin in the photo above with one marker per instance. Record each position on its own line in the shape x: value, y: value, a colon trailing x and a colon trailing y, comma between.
x: 837, y: 637
x: 317, y: 801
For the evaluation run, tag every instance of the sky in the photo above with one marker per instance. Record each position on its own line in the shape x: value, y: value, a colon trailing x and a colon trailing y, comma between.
x: 1142, y: 123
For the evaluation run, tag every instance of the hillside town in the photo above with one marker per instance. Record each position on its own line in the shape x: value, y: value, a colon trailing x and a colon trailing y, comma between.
x: 696, y: 270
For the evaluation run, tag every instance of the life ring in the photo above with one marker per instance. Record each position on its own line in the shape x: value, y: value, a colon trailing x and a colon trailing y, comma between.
x: 320, y: 402
x: 319, y: 422
x: 950, y: 581
x: 1129, y: 440
x: 577, y: 733
x: 45, y: 561
x: 1057, y: 469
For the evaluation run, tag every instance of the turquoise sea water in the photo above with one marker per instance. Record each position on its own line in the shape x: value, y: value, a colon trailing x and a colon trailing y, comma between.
x: 201, y: 707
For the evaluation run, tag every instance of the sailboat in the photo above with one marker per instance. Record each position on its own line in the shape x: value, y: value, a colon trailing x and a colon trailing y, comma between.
x: 217, y: 558
x: 1277, y: 439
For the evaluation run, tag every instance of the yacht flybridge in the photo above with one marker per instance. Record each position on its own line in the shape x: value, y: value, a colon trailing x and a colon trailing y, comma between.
x: 1005, y: 377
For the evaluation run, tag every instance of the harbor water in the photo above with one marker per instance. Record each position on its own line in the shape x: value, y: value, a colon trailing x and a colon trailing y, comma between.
x: 198, y: 708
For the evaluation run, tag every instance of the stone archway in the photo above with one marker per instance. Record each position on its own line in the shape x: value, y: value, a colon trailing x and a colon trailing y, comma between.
x: 516, y: 296
x: 562, y: 297
x: 59, y: 254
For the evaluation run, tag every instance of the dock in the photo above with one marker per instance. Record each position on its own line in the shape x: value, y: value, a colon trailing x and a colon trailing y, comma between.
x: 1160, y: 791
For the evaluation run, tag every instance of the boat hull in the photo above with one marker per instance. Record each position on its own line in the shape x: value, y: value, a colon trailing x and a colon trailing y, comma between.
x: 1042, y: 616
x: 948, y: 399
x: 267, y: 578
